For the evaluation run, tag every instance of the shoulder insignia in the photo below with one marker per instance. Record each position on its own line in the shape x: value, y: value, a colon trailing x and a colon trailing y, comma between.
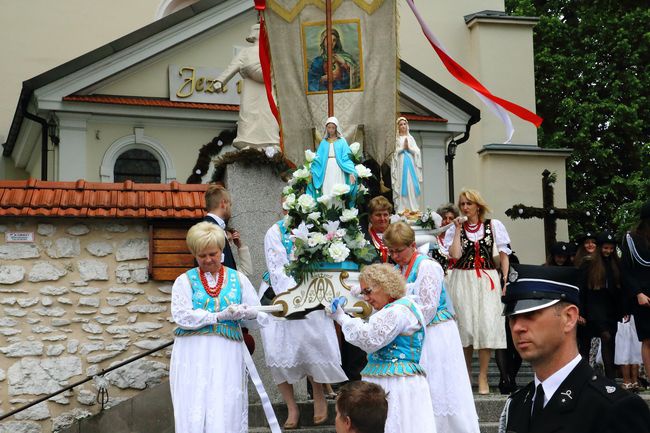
x: 610, y: 389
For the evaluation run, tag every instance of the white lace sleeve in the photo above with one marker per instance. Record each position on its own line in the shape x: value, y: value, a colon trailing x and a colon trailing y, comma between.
x: 449, y: 238
x: 183, y: 312
x: 276, y: 258
x: 381, y: 328
x: 427, y: 288
x: 501, y: 236
x: 249, y: 297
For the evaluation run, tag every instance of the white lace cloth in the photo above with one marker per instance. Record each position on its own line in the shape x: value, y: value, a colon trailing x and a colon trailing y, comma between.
x: 409, y: 402
x: 442, y: 357
x: 498, y: 229
x: 299, y: 348
x: 207, y: 375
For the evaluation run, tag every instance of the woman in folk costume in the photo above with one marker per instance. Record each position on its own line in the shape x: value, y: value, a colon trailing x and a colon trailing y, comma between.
x: 442, y: 354
x: 332, y: 165
x: 379, y: 212
x: 406, y: 170
x: 207, y: 374
x: 475, y: 285
x: 393, y: 338
x: 299, y: 348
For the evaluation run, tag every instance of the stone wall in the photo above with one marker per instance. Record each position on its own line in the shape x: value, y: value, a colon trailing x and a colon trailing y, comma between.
x: 77, y: 300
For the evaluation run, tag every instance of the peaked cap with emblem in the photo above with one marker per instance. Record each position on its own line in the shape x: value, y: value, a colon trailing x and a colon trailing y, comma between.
x: 606, y: 238
x: 560, y: 249
x: 532, y: 287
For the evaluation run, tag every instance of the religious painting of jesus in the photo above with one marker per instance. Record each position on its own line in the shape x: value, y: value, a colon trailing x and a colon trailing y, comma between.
x: 347, y: 64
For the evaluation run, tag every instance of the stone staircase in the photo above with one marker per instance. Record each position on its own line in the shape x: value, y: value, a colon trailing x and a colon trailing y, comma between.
x: 151, y: 411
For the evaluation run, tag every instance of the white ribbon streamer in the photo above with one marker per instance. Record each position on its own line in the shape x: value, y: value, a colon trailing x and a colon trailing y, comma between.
x: 259, y: 386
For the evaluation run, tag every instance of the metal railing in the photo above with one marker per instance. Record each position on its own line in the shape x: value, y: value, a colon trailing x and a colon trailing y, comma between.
x: 102, y: 393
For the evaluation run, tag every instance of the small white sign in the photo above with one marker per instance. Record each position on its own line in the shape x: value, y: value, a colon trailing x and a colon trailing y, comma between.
x: 197, y: 84
x: 24, y: 237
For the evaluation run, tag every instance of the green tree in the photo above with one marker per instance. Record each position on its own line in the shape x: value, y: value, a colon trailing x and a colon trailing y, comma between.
x: 593, y: 86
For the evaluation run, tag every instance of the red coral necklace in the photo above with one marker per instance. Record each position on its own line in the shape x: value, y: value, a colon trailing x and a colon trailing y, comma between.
x: 472, y: 228
x: 213, y: 291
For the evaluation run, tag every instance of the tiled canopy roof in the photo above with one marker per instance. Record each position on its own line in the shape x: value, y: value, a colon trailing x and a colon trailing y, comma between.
x: 110, y: 200
x: 148, y: 102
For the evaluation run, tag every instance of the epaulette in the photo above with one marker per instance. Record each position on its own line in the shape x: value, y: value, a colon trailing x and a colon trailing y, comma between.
x: 606, y: 387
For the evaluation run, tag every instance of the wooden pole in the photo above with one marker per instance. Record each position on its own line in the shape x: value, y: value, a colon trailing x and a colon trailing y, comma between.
x: 328, y: 64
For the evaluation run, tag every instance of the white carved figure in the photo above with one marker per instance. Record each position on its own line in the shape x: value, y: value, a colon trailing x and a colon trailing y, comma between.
x: 257, y: 127
x: 406, y: 170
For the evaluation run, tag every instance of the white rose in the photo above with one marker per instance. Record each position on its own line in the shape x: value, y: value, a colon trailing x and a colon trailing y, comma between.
x: 270, y: 151
x: 310, y: 156
x: 317, y: 239
x: 358, y: 242
x: 349, y: 215
x: 338, y: 251
x: 289, y: 201
x: 287, y: 190
x: 425, y: 217
x: 301, y: 173
x: 355, y: 147
x: 306, y: 202
x: 325, y: 200
x: 314, y: 216
x: 340, y: 233
x: 362, y: 171
x: 340, y: 189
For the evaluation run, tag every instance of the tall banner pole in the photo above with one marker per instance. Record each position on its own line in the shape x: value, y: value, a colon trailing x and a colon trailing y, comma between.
x: 328, y: 64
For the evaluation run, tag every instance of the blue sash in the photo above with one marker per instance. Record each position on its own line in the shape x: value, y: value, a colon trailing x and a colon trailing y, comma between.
x: 408, y: 169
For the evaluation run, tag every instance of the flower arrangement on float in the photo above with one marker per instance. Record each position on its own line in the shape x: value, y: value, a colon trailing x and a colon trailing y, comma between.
x: 325, y: 230
x: 429, y: 219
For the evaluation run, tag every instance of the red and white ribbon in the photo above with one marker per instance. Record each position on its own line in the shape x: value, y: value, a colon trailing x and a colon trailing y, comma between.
x: 497, y: 105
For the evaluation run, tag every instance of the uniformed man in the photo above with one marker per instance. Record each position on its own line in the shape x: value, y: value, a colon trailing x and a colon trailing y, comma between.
x: 541, y: 304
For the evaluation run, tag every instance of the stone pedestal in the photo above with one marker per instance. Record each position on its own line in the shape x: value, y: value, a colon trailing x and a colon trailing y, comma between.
x: 256, y: 193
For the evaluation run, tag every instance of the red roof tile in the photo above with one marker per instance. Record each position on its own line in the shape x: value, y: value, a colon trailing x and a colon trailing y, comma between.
x: 101, y: 200
x: 148, y: 102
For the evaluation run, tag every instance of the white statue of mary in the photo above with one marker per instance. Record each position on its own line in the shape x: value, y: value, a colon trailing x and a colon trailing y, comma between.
x: 406, y: 170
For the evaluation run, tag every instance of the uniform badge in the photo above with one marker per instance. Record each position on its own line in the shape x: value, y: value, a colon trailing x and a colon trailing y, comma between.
x: 610, y: 389
x: 567, y: 393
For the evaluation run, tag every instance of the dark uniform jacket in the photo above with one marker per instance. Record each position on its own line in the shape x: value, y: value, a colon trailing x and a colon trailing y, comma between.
x: 584, y: 403
x: 228, y: 258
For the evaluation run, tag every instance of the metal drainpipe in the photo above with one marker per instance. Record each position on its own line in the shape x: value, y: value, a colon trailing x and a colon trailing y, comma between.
x: 44, y: 131
x: 449, y: 159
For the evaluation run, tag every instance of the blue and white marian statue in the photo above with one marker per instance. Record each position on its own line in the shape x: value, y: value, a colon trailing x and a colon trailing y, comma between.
x: 406, y: 170
x: 333, y: 165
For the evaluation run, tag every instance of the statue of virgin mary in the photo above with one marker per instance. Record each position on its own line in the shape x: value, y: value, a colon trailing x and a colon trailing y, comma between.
x: 333, y: 164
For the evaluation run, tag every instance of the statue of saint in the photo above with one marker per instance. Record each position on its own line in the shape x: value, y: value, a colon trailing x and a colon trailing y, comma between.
x: 406, y: 170
x: 257, y: 127
x: 333, y: 164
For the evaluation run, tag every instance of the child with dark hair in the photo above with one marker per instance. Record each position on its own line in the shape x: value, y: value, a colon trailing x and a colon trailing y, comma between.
x: 361, y: 407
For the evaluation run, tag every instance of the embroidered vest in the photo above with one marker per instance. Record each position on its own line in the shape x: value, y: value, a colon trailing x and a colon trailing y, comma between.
x: 401, y: 357
x: 477, y: 255
x: 230, y: 294
x: 443, y: 312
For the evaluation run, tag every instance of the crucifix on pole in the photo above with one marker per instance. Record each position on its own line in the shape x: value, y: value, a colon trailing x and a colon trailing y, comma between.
x: 548, y: 212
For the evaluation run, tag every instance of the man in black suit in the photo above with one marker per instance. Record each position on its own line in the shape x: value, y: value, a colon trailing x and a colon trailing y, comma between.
x: 541, y: 304
x: 218, y: 205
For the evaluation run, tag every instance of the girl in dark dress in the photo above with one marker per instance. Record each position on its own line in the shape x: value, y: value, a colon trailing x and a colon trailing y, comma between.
x: 602, y: 298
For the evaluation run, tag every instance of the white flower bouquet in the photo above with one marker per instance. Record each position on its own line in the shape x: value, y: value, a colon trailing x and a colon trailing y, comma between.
x: 325, y: 230
x: 429, y: 219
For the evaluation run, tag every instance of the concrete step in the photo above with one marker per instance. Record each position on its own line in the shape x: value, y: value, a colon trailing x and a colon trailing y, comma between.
x: 151, y: 411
